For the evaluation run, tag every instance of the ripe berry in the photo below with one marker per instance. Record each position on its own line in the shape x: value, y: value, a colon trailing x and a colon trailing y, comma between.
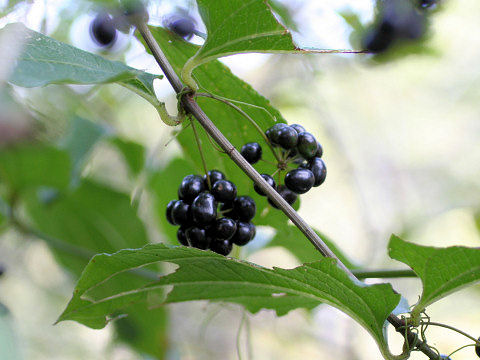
x: 319, y: 170
x: 289, y: 196
x: 181, y: 213
x: 182, y: 25
x: 222, y: 247
x: 245, y: 232
x: 228, y: 210
x: 298, y: 128
x: 307, y: 145
x: 319, y: 152
x: 169, y: 211
x: 181, y: 237
x: 224, y: 191
x: 424, y: 4
x: 252, y: 152
x: 204, y: 209
x: 224, y: 228
x: 102, y: 30
x: 270, y: 182
x: 198, y: 238
x: 244, y: 208
x: 299, y: 180
x: 287, y: 137
x: 214, y: 176
x: 190, y: 188
x: 273, y: 132
x: 477, y: 349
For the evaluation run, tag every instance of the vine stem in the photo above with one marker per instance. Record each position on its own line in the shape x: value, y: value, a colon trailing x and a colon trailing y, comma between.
x: 383, y: 273
x: 193, y: 108
x: 202, y: 156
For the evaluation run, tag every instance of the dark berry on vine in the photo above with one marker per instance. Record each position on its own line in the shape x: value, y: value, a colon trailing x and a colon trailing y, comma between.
x: 169, y: 211
x: 288, y: 195
x: 224, y: 191
x: 287, y: 137
x: 298, y: 128
x: 292, y: 153
x: 198, y: 238
x: 270, y: 182
x: 191, y: 187
x: 181, y: 213
x: 214, y: 176
x: 222, y: 247
x: 307, y: 145
x: 245, y: 232
x: 252, y: 152
x: 102, y: 30
x: 182, y: 25
x: 181, y: 237
x: 477, y: 349
x: 319, y: 170
x: 204, y: 209
x: 244, y: 208
x: 424, y: 4
x: 299, y: 180
x: 319, y: 152
x: 273, y: 132
x: 224, y: 228
x: 379, y: 39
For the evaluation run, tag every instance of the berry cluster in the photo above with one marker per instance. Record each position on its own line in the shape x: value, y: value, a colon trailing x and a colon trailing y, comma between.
x: 201, y: 224
x: 298, y: 147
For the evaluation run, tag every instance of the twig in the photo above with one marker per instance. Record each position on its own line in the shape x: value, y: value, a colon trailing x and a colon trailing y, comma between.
x: 380, y: 273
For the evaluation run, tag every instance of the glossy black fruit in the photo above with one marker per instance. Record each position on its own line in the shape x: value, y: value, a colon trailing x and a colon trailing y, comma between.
x: 2, y: 270
x: 222, y: 247
x: 477, y: 349
x: 224, y: 228
x: 244, y: 208
x: 224, y: 191
x: 181, y: 237
x: 298, y: 128
x: 424, y: 4
x: 214, y: 175
x: 319, y: 170
x: 182, y: 25
x: 181, y: 213
x: 319, y: 152
x: 270, y: 182
x: 198, y: 238
x: 252, y: 152
x: 379, y: 39
x: 289, y: 196
x: 307, y: 145
x: 190, y: 188
x: 102, y: 30
x: 299, y: 180
x: 245, y: 232
x: 287, y: 137
x: 204, y: 209
x: 169, y: 211
x: 273, y: 132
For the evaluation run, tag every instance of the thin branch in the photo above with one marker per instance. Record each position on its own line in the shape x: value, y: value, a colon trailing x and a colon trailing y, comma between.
x: 383, y: 274
x: 193, y: 108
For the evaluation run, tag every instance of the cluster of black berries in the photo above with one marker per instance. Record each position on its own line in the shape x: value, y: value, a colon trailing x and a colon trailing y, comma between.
x: 299, y: 147
x: 201, y: 224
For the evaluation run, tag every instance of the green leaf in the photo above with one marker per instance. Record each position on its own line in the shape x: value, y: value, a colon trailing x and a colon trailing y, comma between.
x: 442, y: 270
x: 203, y: 275
x: 132, y: 152
x: 47, y: 61
x: 33, y: 165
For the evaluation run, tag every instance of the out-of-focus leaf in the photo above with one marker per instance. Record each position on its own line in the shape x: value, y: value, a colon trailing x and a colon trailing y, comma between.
x: 442, y: 270
x: 8, y: 342
x: 285, y: 14
x: 203, y: 275
x: 132, y: 152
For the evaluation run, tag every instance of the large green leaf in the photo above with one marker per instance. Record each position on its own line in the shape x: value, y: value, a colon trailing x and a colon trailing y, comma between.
x: 203, y: 275
x: 47, y: 61
x: 442, y: 270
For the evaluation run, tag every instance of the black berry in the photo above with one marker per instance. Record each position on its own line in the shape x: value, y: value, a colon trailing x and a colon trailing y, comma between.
x: 245, y: 232
x: 198, y: 238
x: 222, y: 247
x: 244, y: 208
x: 298, y: 128
x: 288, y: 195
x: 287, y: 137
x: 182, y: 25
x: 270, y: 182
x: 190, y: 188
x: 102, y: 30
x: 307, y: 145
x: 214, y: 176
x: 319, y: 152
x: 204, y: 209
x: 181, y: 213
x: 319, y: 170
x: 424, y: 4
x: 477, y: 349
x: 224, y: 228
x: 299, y: 180
x: 169, y: 211
x: 252, y: 152
x: 273, y: 132
x: 224, y: 191
x: 181, y: 237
